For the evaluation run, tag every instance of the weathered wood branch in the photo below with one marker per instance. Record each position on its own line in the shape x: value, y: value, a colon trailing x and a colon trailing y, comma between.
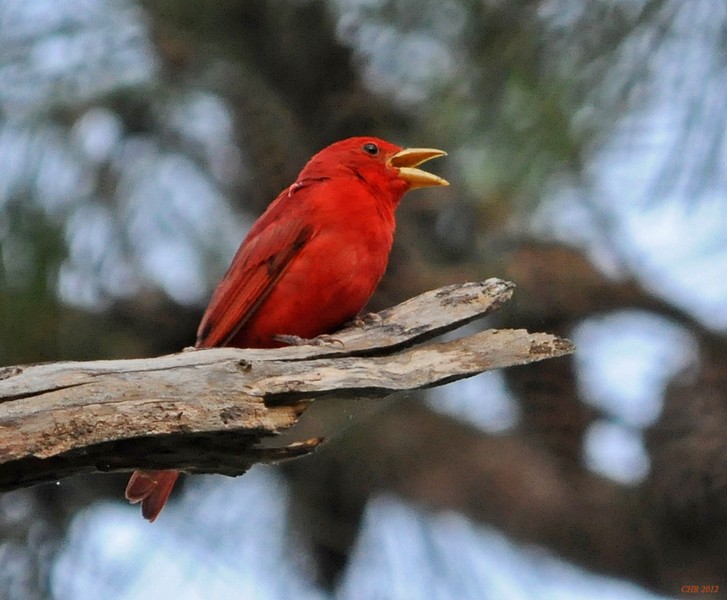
x: 208, y: 410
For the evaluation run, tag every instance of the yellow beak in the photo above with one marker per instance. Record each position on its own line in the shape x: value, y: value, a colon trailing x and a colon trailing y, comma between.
x: 406, y: 161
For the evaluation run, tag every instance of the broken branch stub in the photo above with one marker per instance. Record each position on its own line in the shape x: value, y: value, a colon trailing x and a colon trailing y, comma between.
x: 208, y: 410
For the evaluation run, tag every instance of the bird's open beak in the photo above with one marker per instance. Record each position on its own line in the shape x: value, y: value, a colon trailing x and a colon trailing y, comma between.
x: 406, y: 162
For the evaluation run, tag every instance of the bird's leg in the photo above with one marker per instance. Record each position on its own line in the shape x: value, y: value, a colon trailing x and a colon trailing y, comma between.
x: 319, y: 340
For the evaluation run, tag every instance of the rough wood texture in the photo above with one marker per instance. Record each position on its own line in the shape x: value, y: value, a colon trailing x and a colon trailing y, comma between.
x: 207, y: 410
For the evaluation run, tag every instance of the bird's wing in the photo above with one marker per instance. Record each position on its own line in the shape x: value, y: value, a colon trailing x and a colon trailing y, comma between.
x: 272, y: 244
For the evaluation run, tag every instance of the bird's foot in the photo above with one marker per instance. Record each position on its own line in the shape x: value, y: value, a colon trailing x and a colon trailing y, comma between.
x: 363, y: 319
x: 319, y: 340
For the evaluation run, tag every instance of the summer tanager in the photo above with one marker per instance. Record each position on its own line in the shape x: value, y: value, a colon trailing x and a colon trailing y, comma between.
x: 309, y: 263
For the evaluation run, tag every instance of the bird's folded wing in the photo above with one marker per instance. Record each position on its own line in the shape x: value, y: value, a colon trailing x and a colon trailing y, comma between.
x: 258, y: 265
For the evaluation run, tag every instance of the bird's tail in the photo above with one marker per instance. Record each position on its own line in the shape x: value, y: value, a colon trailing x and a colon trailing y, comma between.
x: 151, y: 488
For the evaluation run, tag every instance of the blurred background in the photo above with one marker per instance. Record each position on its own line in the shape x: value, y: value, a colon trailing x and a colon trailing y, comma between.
x: 139, y: 139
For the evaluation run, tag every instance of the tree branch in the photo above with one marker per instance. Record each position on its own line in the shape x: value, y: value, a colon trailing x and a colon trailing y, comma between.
x: 208, y: 410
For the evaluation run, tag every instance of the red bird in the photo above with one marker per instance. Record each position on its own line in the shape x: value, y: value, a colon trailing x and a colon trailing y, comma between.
x: 310, y: 263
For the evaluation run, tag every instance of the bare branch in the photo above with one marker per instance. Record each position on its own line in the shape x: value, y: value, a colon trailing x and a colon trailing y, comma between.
x: 207, y: 410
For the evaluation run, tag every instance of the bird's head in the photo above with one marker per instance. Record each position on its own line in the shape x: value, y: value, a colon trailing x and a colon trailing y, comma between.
x: 376, y: 162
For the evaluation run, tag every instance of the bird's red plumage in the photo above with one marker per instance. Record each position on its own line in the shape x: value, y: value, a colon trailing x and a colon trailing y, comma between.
x: 308, y: 264
x: 313, y: 259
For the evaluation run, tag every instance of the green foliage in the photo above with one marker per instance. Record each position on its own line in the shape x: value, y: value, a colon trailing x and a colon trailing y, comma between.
x: 32, y: 249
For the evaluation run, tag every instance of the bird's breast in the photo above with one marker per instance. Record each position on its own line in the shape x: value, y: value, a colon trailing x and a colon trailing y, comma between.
x: 329, y: 281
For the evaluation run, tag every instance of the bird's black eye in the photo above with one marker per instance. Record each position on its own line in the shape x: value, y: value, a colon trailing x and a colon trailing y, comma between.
x: 371, y: 148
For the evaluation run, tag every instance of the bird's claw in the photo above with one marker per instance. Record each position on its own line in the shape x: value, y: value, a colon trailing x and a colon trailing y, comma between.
x: 371, y: 318
x: 319, y: 340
